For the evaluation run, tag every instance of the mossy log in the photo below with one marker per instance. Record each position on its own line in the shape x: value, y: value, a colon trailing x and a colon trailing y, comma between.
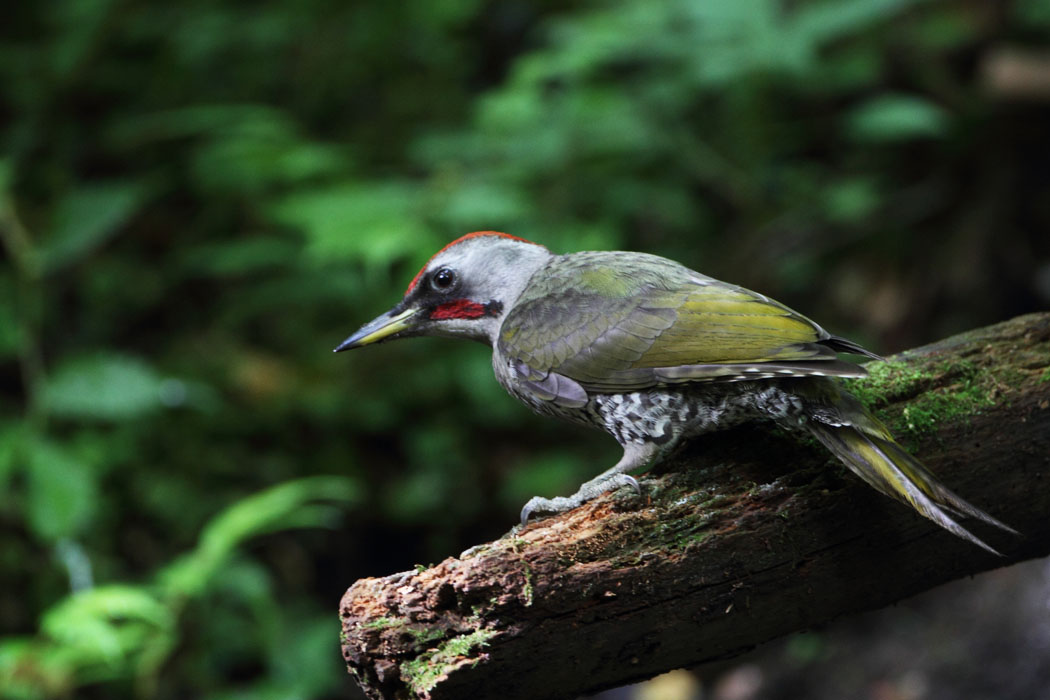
x: 747, y: 535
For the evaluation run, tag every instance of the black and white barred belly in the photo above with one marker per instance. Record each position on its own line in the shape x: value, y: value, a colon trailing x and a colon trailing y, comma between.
x: 664, y: 414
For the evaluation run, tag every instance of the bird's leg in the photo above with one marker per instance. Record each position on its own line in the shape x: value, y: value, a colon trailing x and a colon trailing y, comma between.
x: 635, y: 456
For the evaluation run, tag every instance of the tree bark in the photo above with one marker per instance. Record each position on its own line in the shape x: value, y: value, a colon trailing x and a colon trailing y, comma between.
x: 748, y: 535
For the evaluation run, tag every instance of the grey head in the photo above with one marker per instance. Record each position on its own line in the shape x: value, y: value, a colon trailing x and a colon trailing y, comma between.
x: 464, y: 291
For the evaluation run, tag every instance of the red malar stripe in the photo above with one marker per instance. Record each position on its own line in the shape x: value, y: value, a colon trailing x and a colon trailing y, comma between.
x: 415, y: 280
x: 460, y: 308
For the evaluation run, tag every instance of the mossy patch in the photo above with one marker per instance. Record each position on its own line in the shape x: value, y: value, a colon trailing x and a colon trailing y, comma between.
x: 923, y: 415
x: 426, y: 636
x: 970, y: 390
x: 516, y: 545
x: 382, y: 623
x: 527, y: 589
x: 423, y: 673
x: 422, y: 637
x: 888, y: 381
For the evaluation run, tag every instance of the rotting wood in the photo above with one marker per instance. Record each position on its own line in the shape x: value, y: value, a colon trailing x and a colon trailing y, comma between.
x: 748, y: 535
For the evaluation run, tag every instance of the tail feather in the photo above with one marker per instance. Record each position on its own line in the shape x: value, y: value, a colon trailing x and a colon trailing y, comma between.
x: 868, y: 449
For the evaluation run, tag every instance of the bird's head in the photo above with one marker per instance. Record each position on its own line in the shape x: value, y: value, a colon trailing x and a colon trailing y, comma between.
x: 464, y: 291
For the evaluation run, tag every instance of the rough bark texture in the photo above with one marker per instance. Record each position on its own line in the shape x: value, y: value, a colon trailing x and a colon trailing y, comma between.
x: 750, y: 534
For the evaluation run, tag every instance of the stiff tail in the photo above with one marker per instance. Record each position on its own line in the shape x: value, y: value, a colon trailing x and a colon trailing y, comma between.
x: 869, y: 450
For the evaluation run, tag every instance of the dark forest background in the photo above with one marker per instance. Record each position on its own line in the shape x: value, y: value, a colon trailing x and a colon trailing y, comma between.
x: 199, y: 200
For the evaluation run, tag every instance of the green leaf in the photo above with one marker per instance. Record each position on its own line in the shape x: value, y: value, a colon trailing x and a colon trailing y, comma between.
x: 243, y: 256
x: 105, y: 387
x: 373, y: 223
x: 88, y: 216
x: 851, y: 200
x: 78, y: 27
x: 1034, y: 13
x: 834, y: 19
x: 61, y: 491
x: 30, y: 669
x: 109, y: 630
x: 953, y: 28
x: 484, y: 205
x: 248, y: 163
x: 294, y: 504
x: 896, y: 118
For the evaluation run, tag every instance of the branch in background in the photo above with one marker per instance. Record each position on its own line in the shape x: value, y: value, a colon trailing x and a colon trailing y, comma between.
x: 749, y: 536
x: 1011, y: 73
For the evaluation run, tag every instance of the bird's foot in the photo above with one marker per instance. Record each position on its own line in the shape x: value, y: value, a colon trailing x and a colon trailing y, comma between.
x: 588, y: 491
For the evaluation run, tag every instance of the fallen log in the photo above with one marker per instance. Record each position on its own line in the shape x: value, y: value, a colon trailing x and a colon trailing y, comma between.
x: 747, y: 535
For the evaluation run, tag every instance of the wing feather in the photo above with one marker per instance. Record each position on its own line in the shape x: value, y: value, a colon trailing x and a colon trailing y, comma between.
x: 610, y: 329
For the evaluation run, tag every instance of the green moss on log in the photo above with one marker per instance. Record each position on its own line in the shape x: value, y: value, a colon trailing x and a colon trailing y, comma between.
x: 934, y: 393
x: 422, y: 673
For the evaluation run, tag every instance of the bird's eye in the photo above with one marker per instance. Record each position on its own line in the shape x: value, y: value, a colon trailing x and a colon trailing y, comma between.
x: 443, y: 278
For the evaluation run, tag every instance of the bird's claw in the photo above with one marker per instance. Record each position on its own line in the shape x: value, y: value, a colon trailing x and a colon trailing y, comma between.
x: 526, y: 511
x: 587, y: 492
x: 629, y: 480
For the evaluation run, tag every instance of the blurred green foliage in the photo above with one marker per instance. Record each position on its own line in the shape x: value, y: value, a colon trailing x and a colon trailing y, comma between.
x: 117, y: 632
x: 199, y: 200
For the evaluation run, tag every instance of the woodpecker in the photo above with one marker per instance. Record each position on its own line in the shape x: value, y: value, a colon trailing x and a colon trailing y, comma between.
x: 653, y: 352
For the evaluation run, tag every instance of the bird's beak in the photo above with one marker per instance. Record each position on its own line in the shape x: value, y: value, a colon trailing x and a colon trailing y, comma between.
x: 380, y: 328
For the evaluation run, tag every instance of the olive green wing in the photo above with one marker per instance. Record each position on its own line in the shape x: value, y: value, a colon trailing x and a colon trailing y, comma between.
x: 598, y: 327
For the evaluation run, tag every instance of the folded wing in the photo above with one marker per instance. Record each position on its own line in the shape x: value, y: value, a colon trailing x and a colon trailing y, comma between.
x: 658, y: 324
